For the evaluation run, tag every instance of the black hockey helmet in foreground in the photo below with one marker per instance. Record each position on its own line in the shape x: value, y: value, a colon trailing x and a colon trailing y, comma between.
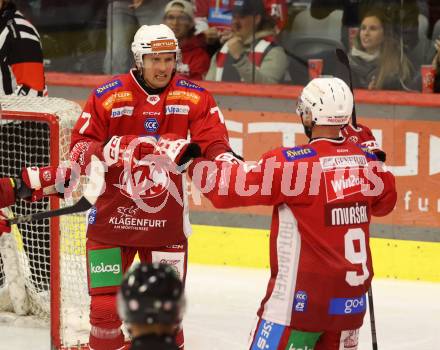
x: 151, y: 294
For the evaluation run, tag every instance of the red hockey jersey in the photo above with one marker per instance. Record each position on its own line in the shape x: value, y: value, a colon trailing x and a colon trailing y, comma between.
x: 323, y: 194
x: 122, y: 107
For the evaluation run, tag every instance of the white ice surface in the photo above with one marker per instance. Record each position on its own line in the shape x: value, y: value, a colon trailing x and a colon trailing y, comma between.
x: 222, y: 302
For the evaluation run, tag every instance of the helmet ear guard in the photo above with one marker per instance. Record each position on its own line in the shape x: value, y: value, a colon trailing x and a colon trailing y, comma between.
x: 303, y: 110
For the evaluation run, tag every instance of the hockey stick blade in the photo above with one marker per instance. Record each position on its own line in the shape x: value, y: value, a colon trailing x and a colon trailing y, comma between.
x: 82, y: 205
x: 92, y: 191
x: 343, y: 58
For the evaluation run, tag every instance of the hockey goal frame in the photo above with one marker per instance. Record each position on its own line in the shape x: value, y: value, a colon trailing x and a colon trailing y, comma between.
x: 55, y: 291
x: 58, y: 115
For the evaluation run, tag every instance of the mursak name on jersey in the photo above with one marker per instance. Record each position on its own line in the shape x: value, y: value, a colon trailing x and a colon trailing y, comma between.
x: 296, y: 153
x: 353, y: 213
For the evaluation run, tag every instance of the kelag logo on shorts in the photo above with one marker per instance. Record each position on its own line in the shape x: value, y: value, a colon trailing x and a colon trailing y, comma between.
x: 302, y: 340
x: 105, y: 267
x: 268, y: 336
x: 151, y: 125
x: 347, y: 306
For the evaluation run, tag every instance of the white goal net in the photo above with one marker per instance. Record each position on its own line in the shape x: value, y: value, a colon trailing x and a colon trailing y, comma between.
x: 42, y: 264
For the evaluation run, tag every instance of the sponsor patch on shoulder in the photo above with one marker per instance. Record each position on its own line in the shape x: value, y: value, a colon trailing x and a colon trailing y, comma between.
x: 189, y: 85
x: 295, y: 153
x: 107, y: 87
x: 368, y: 153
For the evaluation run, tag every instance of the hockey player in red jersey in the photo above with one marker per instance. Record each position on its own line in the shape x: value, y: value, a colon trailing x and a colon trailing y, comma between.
x: 33, y: 184
x: 143, y: 208
x: 324, y: 194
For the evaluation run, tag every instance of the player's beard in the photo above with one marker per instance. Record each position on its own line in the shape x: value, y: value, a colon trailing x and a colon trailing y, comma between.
x: 308, y: 131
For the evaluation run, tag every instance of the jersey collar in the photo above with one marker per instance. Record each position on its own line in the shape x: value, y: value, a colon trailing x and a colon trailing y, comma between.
x: 338, y: 140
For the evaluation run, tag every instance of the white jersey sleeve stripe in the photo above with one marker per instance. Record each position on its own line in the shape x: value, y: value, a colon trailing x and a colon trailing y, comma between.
x: 26, y: 23
x: 3, y: 36
x: 29, y: 36
x: 278, y: 308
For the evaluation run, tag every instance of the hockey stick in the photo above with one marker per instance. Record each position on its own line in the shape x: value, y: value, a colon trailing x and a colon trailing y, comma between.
x: 372, y: 319
x: 91, y: 193
x: 343, y: 58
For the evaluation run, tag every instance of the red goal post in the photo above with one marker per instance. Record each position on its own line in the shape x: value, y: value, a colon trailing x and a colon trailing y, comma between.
x: 35, y: 131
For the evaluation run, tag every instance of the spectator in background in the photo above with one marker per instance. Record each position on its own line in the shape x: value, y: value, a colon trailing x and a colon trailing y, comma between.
x: 249, y: 53
x: 213, y: 17
x: 124, y: 17
x: 212, y: 14
x: 403, y: 14
x: 151, y: 303
x: 431, y: 10
x: 375, y: 58
x: 21, y: 55
x: 179, y: 16
x: 436, y: 64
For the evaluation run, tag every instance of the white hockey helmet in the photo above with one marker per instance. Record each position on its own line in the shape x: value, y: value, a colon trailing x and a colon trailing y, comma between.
x: 328, y: 100
x: 153, y: 39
